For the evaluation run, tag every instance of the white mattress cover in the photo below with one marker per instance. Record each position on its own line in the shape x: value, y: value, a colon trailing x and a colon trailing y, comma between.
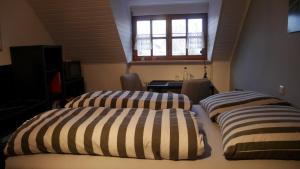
x: 214, y: 161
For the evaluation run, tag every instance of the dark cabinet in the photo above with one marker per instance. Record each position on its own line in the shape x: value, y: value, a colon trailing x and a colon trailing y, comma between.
x: 38, y: 73
x: 41, y: 75
x: 33, y: 83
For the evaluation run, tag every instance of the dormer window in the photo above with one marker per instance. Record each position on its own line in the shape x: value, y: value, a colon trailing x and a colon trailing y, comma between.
x: 170, y: 37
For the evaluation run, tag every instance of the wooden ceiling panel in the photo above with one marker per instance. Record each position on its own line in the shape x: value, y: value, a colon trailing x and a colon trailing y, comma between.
x: 85, y: 28
x: 230, y: 24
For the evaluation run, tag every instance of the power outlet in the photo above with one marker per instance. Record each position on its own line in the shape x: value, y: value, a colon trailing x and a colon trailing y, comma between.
x: 282, y: 90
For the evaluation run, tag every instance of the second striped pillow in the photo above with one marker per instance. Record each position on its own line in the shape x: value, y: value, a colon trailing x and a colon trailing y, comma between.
x: 227, y: 101
x: 261, y: 132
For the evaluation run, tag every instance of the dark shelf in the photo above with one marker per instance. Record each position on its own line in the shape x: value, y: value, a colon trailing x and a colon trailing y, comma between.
x: 52, y: 71
x: 73, y: 80
x: 39, y: 66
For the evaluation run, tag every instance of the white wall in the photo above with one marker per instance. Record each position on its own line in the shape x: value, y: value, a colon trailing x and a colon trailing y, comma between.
x: 103, y: 76
x: 221, y: 74
x: 19, y: 26
x: 107, y: 76
x: 169, y: 9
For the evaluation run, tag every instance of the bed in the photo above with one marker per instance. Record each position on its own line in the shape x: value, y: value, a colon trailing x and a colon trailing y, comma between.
x: 213, y: 158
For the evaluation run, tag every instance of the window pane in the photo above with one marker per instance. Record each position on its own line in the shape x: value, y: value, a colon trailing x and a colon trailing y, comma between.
x: 178, y: 27
x: 195, y: 25
x: 179, y: 46
x: 195, y: 51
x: 143, y: 45
x: 143, y: 39
x: 159, y: 28
x: 144, y: 52
x: 143, y: 27
x: 159, y: 47
x: 195, y: 37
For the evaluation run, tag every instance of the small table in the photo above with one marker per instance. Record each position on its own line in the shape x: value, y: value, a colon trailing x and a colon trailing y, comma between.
x: 165, y: 86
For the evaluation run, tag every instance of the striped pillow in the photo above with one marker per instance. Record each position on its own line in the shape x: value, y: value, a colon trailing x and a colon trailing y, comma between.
x: 131, y: 99
x: 261, y: 132
x: 227, y: 101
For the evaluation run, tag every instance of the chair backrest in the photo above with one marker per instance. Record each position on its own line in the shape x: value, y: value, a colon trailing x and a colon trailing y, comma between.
x: 197, y: 89
x: 132, y: 82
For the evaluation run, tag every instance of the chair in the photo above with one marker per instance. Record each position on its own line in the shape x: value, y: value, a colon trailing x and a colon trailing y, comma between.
x: 132, y: 82
x: 197, y: 89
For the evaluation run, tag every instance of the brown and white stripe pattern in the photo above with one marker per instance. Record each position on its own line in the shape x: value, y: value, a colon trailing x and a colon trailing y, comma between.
x: 227, y: 101
x: 261, y: 132
x: 138, y: 133
x: 131, y: 99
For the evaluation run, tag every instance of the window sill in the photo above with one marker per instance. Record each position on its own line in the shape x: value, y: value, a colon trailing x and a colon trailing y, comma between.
x: 168, y: 62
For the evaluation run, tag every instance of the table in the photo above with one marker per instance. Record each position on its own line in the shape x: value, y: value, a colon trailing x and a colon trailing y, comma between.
x: 162, y: 86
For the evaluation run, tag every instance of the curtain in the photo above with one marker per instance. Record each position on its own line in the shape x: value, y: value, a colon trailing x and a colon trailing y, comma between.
x: 143, y: 42
x: 195, y: 42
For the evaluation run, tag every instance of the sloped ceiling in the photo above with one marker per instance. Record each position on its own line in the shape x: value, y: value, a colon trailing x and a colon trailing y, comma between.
x: 122, y: 17
x: 214, y: 11
x: 230, y: 23
x: 85, y: 28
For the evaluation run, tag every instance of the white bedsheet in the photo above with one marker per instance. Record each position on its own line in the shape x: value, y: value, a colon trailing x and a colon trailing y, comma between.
x: 215, y: 160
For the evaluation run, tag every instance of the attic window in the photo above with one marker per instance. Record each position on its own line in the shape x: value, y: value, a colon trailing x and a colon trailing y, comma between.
x: 170, y: 37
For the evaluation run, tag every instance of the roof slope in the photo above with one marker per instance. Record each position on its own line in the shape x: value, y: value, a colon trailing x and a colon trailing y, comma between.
x: 85, y: 28
x: 229, y: 21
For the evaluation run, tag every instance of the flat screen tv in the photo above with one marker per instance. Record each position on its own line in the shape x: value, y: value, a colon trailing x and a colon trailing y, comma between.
x: 294, y: 16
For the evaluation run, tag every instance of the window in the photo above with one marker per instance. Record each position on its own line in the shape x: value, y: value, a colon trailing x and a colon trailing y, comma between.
x: 170, y: 37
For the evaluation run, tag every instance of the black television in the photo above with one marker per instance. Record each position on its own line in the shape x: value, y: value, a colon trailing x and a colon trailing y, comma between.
x: 72, y: 70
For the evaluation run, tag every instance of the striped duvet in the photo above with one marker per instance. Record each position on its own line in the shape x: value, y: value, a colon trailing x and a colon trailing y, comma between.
x: 261, y: 132
x: 138, y: 133
x: 227, y: 101
x: 131, y: 99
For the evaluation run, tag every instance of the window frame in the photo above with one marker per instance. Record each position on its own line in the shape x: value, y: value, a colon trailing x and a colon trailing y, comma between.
x: 169, y: 37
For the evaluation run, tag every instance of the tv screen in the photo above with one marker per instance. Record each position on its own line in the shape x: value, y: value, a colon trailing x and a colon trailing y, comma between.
x: 294, y: 16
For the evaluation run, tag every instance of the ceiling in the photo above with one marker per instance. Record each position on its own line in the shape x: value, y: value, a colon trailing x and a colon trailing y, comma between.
x: 232, y: 16
x: 86, y: 29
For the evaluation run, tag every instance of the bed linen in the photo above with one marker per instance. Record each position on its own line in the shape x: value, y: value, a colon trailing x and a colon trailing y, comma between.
x: 261, y: 132
x: 219, y: 103
x: 131, y: 99
x: 214, y: 159
x: 137, y: 133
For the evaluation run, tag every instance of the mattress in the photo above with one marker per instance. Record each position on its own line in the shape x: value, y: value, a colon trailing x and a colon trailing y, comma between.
x: 212, y: 159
